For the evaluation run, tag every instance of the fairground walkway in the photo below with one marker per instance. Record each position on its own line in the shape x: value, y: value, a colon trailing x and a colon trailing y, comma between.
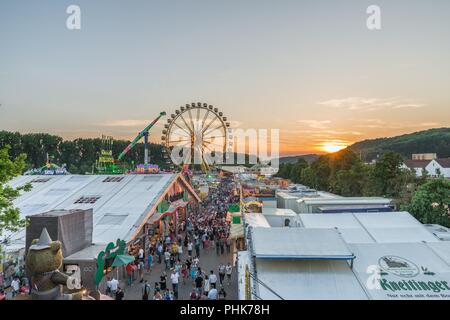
x: 209, y: 260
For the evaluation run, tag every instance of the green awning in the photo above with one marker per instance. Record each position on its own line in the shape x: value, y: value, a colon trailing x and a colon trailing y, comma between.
x: 122, y: 260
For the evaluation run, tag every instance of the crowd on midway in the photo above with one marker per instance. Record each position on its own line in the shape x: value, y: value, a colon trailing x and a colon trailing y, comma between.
x: 204, y: 229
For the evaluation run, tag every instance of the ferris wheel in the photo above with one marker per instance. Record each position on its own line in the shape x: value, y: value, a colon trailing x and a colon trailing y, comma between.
x: 196, y: 135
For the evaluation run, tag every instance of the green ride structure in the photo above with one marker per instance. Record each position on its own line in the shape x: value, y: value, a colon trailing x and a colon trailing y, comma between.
x: 106, y: 164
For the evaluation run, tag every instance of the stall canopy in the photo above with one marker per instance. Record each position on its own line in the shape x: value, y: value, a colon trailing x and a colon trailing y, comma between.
x: 157, y: 216
x: 299, y: 244
x: 122, y: 260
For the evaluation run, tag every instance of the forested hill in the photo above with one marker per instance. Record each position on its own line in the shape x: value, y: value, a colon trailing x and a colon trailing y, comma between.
x: 79, y: 155
x: 429, y: 141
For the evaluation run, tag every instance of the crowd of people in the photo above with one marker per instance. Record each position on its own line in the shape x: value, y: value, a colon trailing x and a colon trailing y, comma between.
x: 180, y: 254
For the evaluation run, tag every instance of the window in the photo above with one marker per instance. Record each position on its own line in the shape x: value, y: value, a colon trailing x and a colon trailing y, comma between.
x: 87, y: 199
x: 113, y: 179
x: 40, y: 180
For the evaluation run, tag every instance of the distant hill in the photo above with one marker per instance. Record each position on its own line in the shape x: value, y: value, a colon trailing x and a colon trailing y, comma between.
x: 293, y: 159
x: 428, y: 141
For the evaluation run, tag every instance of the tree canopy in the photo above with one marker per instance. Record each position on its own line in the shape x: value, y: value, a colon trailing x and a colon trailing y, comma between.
x: 9, y: 168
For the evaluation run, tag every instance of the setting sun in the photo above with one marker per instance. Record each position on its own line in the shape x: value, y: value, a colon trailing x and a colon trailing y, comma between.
x: 332, y: 147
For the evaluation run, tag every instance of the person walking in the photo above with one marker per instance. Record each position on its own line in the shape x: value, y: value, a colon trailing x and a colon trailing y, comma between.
x: 130, y: 269
x: 229, y: 271
x: 206, y: 286
x: 141, y: 269
x: 163, y: 281
x: 217, y: 242
x: 221, y: 273
x: 189, y: 247
x: 119, y: 294
x: 222, y: 294
x: 157, y: 296
x: 193, y: 295
x: 228, y: 245
x: 174, y: 278
x: 149, y: 263
x: 108, y: 287
x: 212, y: 294
x: 212, y: 279
x: 145, y: 290
x: 179, y: 252
x: 197, y: 247
x: 114, y: 285
x: 159, y: 251
x: 167, y: 258
x: 199, y: 284
x: 222, y: 245
x: 15, y: 285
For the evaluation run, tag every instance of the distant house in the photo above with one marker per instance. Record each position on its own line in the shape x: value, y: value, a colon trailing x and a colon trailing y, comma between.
x: 444, y: 166
x: 417, y: 165
x: 434, y: 168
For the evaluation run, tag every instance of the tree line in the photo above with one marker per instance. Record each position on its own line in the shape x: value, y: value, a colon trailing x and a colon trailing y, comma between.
x: 344, y: 173
x: 78, y: 155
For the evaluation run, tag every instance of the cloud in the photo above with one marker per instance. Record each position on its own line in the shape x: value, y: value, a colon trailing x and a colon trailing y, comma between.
x: 316, y: 124
x: 370, y: 104
x: 408, y: 106
x: 126, y: 123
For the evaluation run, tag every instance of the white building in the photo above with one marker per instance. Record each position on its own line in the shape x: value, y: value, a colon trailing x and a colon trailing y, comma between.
x: 434, y: 168
x: 318, y: 205
x: 122, y: 204
x: 375, y: 256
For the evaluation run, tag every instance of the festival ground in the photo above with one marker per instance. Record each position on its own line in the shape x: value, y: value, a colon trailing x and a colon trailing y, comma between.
x: 209, y: 260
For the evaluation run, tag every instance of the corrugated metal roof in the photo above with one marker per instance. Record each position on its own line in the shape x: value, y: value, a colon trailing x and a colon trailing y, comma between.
x: 278, y: 211
x: 347, y: 225
x: 309, y: 280
x: 299, y: 243
x: 130, y: 198
x: 361, y: 227
x: 408, y: 271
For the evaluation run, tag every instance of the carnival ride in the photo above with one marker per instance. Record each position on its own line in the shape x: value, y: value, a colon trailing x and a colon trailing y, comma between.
x: 146, y: 167
x: 106, y: 164
x: 48, y: 169
x: 197, y: 135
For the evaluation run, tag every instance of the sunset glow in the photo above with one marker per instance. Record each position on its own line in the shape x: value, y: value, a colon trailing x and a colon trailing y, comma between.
x: 332, y: 147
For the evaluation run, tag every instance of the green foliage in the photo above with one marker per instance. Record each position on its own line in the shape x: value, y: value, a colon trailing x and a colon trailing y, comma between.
x: 388, y: 178
x: 9, y: 168
x: 429, y: 141
x: 345, y: 174
x: 78, y: 155
x: 430, y: 203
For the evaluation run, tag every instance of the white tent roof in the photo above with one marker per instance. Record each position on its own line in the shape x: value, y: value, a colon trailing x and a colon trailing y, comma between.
x: 386, y: 227
x: 269, y: 211
x: 382, y: 227
x: 256, y: 220
x: 345, y: 201
x: 442, y: 249
x: 346, y: 223
x: 407, y: 270
x: 119, y: 207
x: 308, y: 280
x: 298, y: 244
